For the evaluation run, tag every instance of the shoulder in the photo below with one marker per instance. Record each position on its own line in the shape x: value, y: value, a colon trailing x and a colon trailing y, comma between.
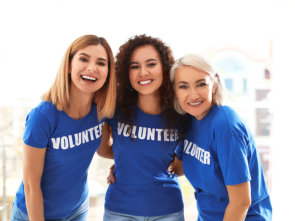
x: 227, y: 121
x: 226, y: 114
x: 45, y: 108
x: 39, y: 124
x: 44, y: 112
x: 112, y: 121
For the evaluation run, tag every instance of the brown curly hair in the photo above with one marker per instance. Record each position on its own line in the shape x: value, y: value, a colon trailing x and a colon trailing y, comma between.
x: 127, y: 96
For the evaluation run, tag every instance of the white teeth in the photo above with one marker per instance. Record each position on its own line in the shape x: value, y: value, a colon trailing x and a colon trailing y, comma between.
x: 89, y: 78
x: 195, y: 103
x: 145, y: 82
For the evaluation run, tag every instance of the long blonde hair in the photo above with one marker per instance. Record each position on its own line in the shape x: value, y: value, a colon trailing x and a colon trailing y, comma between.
x: 105, y: 97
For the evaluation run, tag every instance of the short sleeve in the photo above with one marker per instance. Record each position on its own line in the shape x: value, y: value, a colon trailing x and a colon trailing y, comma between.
x: 111, y: 122
x: 179, y: 150
x: 37, y: 130
x: 232, y: 154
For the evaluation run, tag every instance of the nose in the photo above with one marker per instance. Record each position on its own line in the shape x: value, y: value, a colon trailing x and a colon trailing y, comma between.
x: 91, y: 67
x: 194, y: 93
x: 143, y: 72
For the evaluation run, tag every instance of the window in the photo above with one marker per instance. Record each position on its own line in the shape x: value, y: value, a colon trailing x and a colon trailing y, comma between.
x: 229, y: 84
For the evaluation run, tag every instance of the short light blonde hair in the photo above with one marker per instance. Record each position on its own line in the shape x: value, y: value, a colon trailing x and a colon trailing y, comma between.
x: 200, y: 63
x: 105, y: 97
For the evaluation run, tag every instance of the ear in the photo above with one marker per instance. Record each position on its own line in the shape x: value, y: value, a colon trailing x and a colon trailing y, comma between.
x: 214, y: 88
x: 215, y: 82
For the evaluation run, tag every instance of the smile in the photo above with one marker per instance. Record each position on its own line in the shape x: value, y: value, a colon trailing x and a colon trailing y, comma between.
x: 88, y: 78
x: 145, y: 82
x: 195, y: 103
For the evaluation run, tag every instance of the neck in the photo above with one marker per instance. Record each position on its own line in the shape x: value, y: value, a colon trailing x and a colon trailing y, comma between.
x: 149, y: 104
x: 79, y: 105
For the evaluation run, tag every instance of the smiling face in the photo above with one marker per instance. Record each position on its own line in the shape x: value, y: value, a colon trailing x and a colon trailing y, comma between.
x: 89, y: 69
x: 145, y: 70
x: 194, y: 90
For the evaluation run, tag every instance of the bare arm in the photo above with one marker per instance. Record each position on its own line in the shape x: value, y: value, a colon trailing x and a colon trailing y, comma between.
x: 111, y: 177
x: 175, y: 167
x: 105, y: 148
x: 33, y: 164
x: 239, y: 202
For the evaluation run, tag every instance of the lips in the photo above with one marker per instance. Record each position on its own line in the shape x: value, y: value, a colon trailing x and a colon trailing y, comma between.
x: 88, y: 78
x: 145, y: 82
x: 194, y: 103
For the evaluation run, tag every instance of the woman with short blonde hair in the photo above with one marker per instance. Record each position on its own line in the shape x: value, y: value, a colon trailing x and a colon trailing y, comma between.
x: 218, y: 154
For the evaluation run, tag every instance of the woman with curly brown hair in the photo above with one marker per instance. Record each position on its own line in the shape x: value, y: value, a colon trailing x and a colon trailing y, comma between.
x: 144, y: 136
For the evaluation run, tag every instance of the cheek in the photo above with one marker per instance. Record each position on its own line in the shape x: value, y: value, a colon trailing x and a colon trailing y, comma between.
x: 103, y: 72
x: 179, y: 96
x: 211, y: 92
x: 161, y: 79
x: 160, y: 73
x: 106, y: 73
x: 131, y: 77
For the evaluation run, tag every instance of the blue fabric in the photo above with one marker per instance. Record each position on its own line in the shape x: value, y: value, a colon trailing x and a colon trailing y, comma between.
x: 143, y: 185
x: 17, y: 214
x: 81, y: 214
x: 113, y: 216
x: 219, y: 150
x: 70, y: 145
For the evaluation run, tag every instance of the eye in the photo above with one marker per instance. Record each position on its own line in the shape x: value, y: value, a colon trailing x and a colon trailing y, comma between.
x: 101, y: 63
x: 151, y: 65
x: 202, y: 84
x: 183, y: 87
x: 83, y: 59
x: 134, y: 66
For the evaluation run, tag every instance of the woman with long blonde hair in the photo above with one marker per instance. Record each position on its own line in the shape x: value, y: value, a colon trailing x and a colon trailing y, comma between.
x: 63, y: 133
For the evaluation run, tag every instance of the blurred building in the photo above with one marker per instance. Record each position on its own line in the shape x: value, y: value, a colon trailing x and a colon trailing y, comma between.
x: 248, y: 79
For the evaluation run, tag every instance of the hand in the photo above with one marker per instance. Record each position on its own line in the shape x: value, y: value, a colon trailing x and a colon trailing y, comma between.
x: 170, y: 167
x: 175, y: 167
x: 111, y: 177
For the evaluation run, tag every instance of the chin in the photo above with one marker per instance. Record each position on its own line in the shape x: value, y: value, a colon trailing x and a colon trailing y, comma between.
x: 189, y: 112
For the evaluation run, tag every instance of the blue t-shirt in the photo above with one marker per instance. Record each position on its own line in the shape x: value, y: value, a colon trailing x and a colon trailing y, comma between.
x: 70, y: 145
x: 143, y: 185
x: 219, y: 150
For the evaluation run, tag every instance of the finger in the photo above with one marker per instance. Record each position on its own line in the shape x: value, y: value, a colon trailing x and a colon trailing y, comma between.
x: 112, y: 179
x: 109, y: 180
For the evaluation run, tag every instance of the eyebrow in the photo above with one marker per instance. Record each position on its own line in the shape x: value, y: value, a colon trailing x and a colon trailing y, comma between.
x: 89, y: 56
x: 148, y: 60
x: 184, y: 82
x: 200, y: 80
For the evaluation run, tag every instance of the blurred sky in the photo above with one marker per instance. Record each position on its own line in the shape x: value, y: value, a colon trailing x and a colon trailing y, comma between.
x: 35, y: 34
